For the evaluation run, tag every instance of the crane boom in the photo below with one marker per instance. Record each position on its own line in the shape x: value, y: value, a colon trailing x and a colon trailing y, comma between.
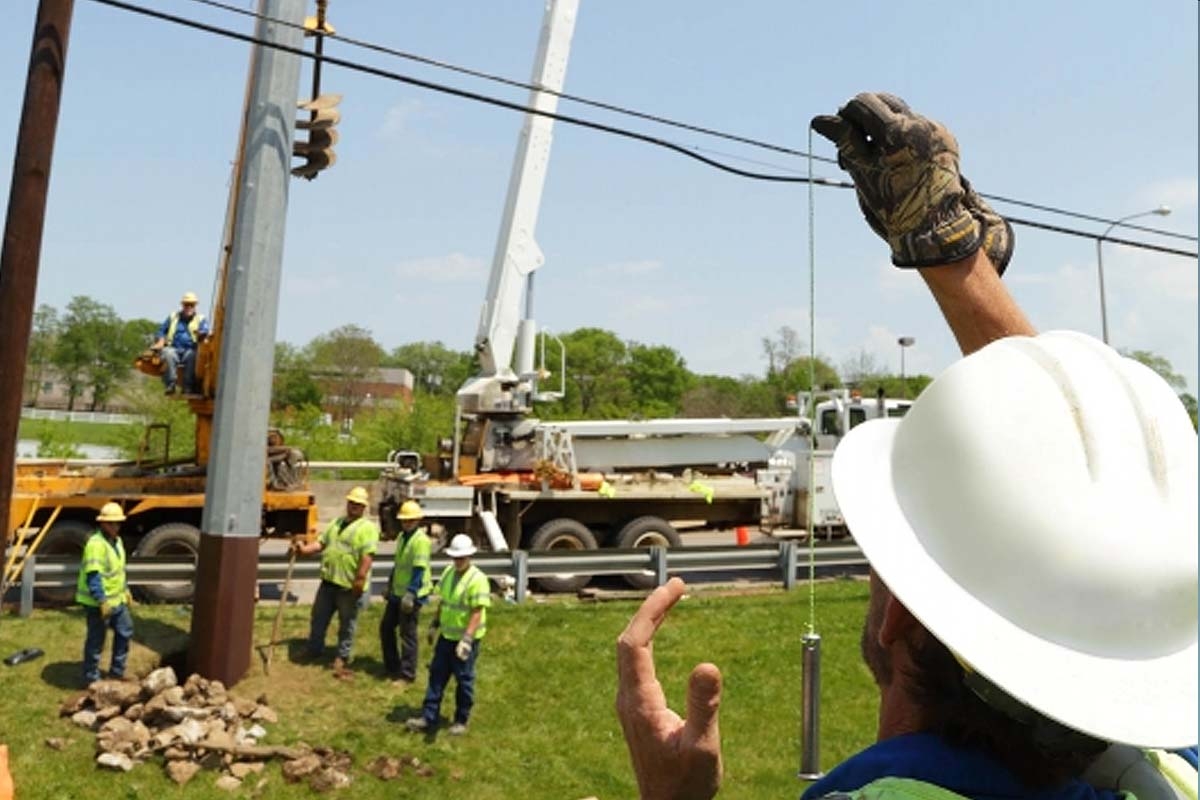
x: 501, y: 327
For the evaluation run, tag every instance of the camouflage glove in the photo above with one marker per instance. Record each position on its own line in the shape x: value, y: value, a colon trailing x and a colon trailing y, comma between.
x: 905, y: 171
x: 432, y: 636
x: 408, y: 602
x: 998, y: 237
x: 107, y: 609
x: 128, y: 598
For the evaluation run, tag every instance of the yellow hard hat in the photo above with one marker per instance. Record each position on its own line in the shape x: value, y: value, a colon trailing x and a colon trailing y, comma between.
x: 111, y: 512
x: 359, y: 495
x: 410, y: 509
x: 190, y: 297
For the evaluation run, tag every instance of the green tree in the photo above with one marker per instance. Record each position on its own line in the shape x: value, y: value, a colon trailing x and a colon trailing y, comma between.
x: 176, y: 437
x: 725, y: 396
x: 598, y: 385
x: 781, y: 350
x: 87, y: 351
x: 658, y: 377
x: 42, y: 339
x: 292, y: 383
x: 345, y: 361
x: 436, y: 369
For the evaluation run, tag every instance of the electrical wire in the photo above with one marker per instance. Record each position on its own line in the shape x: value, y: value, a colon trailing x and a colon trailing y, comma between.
x: 378, y: 48
x: 468, y: 95
x: 660, y: 119
x: 690, y: 152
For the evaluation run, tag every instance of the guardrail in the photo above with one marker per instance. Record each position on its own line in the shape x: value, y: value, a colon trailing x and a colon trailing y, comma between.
x: 787, y: 559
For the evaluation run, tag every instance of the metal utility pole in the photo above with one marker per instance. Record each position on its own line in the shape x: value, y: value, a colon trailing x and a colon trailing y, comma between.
x: 223, y: 615
x: 23, y: 225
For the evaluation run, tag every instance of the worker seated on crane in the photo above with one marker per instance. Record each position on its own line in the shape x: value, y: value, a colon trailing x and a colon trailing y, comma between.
x: 178, y: 337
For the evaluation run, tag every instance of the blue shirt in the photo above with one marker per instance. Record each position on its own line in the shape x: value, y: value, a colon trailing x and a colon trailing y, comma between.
x: 925, y: 757
x: 183, y: 337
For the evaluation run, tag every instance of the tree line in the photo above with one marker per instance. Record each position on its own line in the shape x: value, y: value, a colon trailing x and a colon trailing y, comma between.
x: 92, y: 349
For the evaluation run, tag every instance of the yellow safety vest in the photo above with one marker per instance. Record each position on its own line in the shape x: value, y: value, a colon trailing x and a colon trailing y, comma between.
x: 410, y: 555
x: 460, y: 596
x: 99, y: 555
x: 193, y: 328
x: 342, y: 548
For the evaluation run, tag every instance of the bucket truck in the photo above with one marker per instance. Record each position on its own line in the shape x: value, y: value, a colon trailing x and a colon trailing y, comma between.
x: 513, y: 481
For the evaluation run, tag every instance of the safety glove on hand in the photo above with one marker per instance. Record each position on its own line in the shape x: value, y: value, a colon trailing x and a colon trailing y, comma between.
x: 905, y: 171
x: 408, y: 602
x: 463, y: 648
x: 128, y: 597
x: 998, y: 237
x: 431, y: 637
x: 106, y: 609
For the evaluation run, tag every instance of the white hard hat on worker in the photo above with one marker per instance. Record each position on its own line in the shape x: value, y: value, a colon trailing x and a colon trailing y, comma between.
x: 1036, y: 510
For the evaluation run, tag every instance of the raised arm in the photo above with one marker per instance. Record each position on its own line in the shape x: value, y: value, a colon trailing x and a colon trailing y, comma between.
x: 906, y: 176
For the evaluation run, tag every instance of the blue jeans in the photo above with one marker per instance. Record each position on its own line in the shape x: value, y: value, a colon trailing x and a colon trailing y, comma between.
x: 173, y: 358
x: 330, y: 598
x: 446, y: 663
x: 121, y: 622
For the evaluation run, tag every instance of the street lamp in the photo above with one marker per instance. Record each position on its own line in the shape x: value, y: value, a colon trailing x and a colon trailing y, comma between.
x: 904, y: 342
x: 1161, y: 211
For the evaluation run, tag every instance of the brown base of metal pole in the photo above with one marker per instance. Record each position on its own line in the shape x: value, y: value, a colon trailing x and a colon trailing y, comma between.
x: 222, y: 639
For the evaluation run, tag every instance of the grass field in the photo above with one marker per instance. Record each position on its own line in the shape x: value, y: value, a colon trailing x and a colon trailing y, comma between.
x: 543, y: 726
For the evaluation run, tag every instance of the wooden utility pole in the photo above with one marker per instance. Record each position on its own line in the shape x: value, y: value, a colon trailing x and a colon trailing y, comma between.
x: 23, y: 225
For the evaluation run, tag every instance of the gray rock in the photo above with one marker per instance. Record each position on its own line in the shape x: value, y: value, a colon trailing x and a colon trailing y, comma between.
x: 182, y: 771
x: 114, y: 693
x: 158, y: 681
x: 265, y: 714
x: 84, y: 719
x: 115, y: 761
x: 228, y: 783
x: 242, y: 769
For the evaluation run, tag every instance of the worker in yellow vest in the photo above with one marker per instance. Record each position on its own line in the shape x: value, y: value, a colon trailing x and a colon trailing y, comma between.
x: 102, y: 591
x: 178, y: 337
x: 347, y: 549
x: 461, y: 624
x: 408, y: 589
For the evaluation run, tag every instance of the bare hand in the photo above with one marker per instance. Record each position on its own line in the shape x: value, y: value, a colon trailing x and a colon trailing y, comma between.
x: 673, y: 758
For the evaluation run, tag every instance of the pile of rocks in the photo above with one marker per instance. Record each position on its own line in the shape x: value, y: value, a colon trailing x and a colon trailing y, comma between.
x: 194, y: 726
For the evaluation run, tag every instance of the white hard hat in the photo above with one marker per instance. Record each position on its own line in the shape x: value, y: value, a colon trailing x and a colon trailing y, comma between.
x: 1036, y: 510
x: 460, y: 546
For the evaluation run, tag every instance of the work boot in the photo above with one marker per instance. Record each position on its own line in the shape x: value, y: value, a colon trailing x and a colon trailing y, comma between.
x: 458, y: 729
x: 416, y: 724
x: 401, y: 683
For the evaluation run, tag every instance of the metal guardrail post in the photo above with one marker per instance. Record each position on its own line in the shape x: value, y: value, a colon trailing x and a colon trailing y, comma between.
x: 521, y: 573
x: 787, y: 563
x: 658, y: 563
x: 28, y: 576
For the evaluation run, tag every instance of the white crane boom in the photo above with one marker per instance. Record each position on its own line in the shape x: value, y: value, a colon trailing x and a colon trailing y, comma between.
x: 501, y: 326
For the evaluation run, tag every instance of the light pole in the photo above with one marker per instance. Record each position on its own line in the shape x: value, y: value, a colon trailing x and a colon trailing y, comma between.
x: 904, y: 342
x: 1161, y: 211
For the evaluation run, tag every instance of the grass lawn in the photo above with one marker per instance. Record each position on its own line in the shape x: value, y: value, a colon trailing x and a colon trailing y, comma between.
x: 98, y: 433
x: 543, y: 725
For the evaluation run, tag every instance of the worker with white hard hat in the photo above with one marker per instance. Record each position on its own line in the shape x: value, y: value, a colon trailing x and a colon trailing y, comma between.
x: 347, y: 549
x: 102, y: 591
x: 178, y: 339
x: 407, y: 590
x: 458, y: 629
x: 1032, y: 621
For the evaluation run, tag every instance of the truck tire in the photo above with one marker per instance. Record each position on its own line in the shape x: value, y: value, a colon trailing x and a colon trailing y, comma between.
x: 170, y: 539
x: 65, y: 538
x: 563, y: 534
x: 646, y: 532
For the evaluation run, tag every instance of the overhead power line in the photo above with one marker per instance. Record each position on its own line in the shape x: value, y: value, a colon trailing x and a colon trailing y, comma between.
x: 690, y: 152
x: 658, y: 118
x: 468, y: 95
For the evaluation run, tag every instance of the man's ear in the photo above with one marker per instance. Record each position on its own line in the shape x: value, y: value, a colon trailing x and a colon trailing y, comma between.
x: 898, y: 622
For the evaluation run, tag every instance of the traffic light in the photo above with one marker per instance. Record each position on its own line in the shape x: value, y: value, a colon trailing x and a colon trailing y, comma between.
x: 317, y: 151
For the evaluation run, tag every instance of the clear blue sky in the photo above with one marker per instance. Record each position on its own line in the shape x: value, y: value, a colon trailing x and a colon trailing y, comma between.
x: 1084, y: 105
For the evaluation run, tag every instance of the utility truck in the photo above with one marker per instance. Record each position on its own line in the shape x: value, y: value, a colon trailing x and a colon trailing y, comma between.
x: 511, y: 480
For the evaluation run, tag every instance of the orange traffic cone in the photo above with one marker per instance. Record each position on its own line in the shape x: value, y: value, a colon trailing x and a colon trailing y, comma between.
x: 743, y: 536
x: 6, y: 781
